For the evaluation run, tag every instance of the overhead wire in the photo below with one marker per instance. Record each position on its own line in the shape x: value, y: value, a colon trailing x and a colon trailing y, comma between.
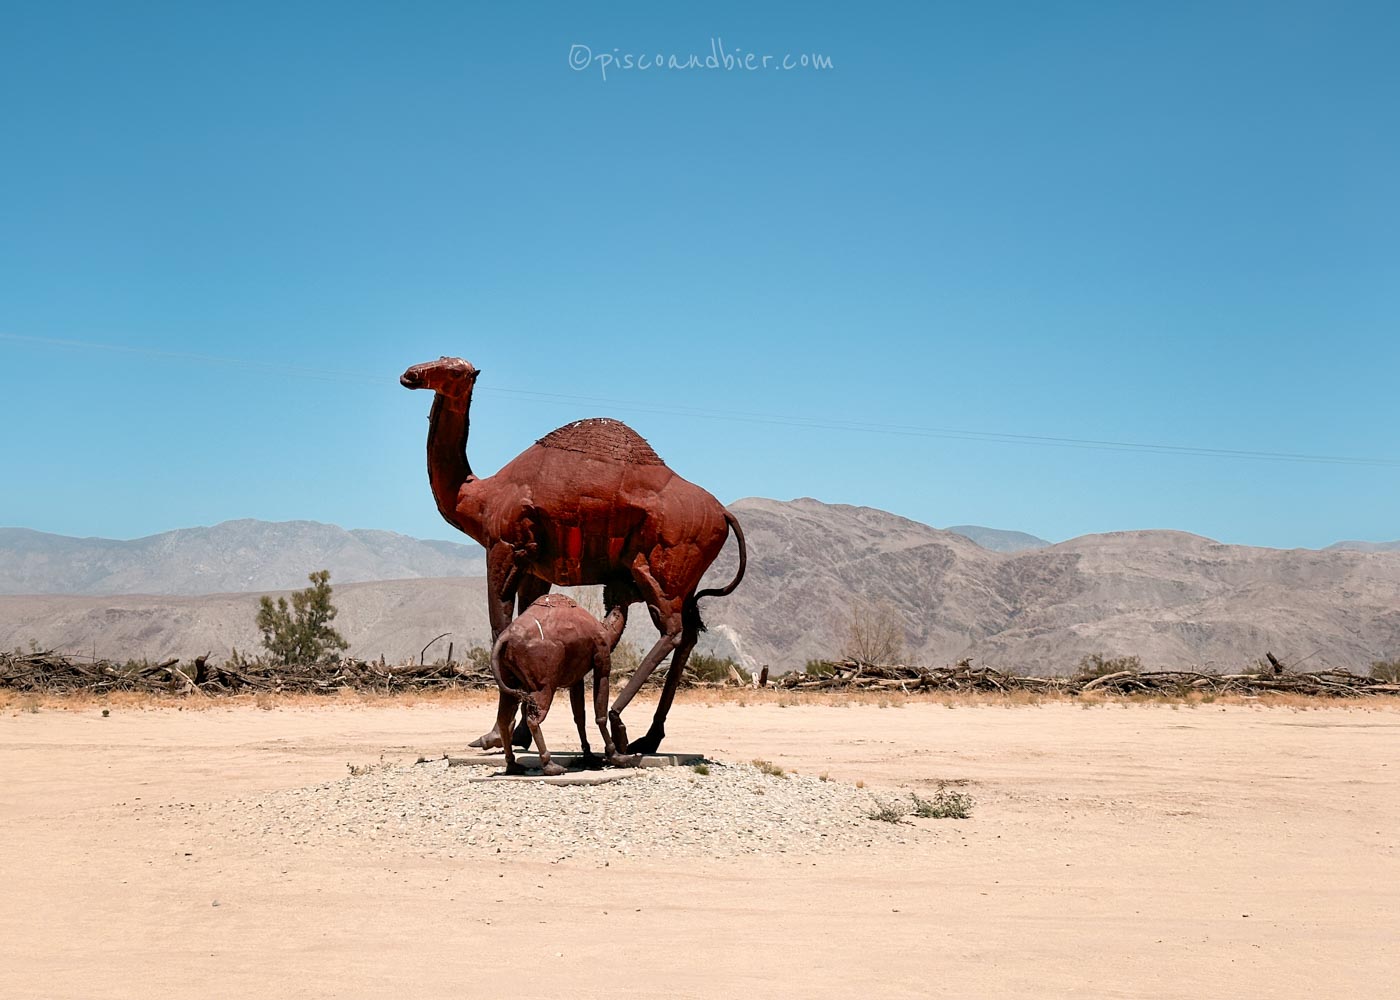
x: 740, y: 416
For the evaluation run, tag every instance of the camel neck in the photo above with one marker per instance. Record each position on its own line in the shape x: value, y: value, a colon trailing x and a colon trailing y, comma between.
x: 448, y: 468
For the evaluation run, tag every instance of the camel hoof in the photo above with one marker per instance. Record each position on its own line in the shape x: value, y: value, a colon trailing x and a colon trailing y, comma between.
x: 552, y: 770
x: 625, y: 760
x: 591, y: 762
x: 490, y: 741
x: 648, y: 744
x: 515, y: 767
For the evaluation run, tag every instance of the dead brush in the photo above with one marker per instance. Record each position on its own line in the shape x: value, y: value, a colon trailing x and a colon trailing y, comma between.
x: 885, y: 812
x: 945, y: 804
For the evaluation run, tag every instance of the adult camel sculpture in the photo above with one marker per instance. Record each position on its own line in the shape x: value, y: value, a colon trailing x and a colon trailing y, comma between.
x: 589, y: 503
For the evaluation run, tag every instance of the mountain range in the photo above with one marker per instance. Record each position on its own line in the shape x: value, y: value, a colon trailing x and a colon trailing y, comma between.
x: 1008, y: 599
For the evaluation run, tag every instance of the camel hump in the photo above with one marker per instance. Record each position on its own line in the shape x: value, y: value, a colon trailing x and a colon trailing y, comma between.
x: 604, y: 438
x: 554, y: 601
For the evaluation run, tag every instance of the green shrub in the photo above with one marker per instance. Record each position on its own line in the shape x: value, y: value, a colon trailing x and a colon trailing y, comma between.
x: 715, y: 669
x: 301, y: 633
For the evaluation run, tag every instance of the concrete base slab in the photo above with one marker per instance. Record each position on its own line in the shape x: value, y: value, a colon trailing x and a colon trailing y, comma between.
x: 572, y: 778
x: 574, y: 761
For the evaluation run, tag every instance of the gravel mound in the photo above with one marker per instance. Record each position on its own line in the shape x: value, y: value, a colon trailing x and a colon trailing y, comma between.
x: 736, y: 809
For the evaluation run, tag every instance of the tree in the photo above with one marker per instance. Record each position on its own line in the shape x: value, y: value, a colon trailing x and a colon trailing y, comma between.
x: 874, y: 633
x: 301, y: 633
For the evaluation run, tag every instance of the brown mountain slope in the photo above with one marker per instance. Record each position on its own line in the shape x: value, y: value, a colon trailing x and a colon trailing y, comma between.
x: 1172, y: 598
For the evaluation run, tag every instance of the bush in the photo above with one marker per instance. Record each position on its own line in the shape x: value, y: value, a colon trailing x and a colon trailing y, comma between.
x: 820, y: 668
x: 943, y: 805
x: 715, y: 669
x: 1098, y: 665
x: 1386, y: 670
x: 301, y: 633
x: 885, y: 812
x: 874, y: 633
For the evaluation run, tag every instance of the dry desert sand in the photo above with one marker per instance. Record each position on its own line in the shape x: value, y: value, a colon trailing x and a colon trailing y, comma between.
x: 1115, y: 850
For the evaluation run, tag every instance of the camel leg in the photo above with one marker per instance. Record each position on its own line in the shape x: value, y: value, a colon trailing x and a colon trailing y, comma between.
x: 602, y: 669
x: 505, y: 715
x: 666, y: 613
x: 502, y: 580
x: 577, y: 701
x: 652, y: 740
x: 530, y: 589
x: 542, y: 700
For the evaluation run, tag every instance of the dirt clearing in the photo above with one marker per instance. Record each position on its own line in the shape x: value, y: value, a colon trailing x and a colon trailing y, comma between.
x: 1113, y: 850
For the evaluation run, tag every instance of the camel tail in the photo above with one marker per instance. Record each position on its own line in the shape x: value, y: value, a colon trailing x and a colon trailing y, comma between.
x: 743, y: 561
x: 521, y: 696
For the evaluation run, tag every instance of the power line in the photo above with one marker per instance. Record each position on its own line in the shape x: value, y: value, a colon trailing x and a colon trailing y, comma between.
x: 740, y: 416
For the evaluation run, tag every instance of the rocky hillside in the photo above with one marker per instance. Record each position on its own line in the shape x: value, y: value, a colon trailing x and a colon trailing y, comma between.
x: 1172, y: 598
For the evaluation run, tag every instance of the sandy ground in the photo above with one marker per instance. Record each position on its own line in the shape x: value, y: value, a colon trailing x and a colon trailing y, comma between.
x: 1114, y: 851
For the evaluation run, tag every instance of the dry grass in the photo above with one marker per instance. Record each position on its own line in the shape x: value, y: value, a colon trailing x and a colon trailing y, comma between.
x: 768, y: 767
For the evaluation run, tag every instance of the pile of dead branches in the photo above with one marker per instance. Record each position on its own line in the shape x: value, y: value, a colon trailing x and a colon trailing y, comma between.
x: 852, y: 675
x: 45, y: 671
x: 49, y: 671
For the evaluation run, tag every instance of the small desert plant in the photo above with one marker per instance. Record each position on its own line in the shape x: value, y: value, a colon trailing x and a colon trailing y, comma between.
x: 1098, y: 665
x: 1386, y: 670
x: 944, y: 805
x: 819, y: 668
x: 885, y: 812
x: 768, y: 767
x: 701, y: 768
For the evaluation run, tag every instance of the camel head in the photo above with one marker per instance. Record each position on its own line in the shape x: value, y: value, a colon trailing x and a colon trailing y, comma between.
x: 451, y: 377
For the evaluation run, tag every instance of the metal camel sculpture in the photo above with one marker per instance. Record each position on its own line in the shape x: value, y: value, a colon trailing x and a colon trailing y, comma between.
x: 552, y: 645
x: 589, y: 503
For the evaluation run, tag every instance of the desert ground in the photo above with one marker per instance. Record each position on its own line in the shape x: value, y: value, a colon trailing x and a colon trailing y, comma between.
x: 1114, y: 850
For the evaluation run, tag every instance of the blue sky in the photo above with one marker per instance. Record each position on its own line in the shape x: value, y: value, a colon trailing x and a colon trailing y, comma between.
x: 1169, y: 225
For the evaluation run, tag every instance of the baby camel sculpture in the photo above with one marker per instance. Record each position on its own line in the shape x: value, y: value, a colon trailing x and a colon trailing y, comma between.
x: 589, y: 503
x: 552, y: 645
